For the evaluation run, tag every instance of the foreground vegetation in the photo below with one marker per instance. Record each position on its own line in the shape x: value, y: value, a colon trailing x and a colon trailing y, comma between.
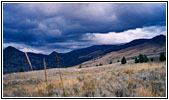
x: 112, y: 80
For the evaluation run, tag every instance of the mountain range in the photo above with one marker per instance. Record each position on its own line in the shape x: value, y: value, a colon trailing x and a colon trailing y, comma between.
x: 14, y: 59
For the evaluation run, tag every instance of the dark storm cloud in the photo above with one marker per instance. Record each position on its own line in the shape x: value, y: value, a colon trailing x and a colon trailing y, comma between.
x: 62, y: 26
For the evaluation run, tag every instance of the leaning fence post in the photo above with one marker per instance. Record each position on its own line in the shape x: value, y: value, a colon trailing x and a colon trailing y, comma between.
x: 28, y: 61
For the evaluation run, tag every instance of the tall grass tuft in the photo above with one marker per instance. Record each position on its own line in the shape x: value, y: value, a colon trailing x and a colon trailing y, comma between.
x: 57, y: 60
x: 28, y: 61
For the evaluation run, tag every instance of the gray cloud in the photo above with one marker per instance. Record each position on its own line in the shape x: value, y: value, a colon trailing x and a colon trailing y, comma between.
x: 51, y: 25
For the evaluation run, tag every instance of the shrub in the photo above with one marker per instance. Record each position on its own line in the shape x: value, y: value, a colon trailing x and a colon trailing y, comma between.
x: 123, y: 60
x: 110, y: 62
x: 100, y: 64
x: 136, y: 60
x: 21, y: 70
x: 118, y: 60
x: 145, y: 58
x: 80, y: 66
x: 162, y: 57
x: 141, y: 58
x: 152, y: 59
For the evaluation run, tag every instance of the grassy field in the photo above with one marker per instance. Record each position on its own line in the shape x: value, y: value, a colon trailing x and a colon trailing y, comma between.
x: 111, y: 80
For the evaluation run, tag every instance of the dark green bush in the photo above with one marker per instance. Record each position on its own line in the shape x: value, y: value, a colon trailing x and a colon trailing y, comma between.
x: 21, y: 70
x: 145, y: 58
x: 136, y: 60
x: 141, y: 58
x: 152, y: 59
x: 123, y: 60
x: 162, y: 57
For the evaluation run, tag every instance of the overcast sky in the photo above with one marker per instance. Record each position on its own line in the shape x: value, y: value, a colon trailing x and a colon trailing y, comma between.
x: 62, y: 27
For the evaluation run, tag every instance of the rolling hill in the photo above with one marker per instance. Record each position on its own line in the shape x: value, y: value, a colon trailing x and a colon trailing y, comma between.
x: 14, y: 60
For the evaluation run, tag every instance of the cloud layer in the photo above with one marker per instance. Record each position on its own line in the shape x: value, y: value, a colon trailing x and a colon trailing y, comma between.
x: 67, y: 26
x: 126, y: 36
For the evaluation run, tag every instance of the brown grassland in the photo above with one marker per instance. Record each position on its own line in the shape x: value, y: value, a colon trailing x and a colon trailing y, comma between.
x: 111, y: 80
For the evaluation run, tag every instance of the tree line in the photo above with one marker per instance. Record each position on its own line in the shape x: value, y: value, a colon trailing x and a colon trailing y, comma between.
x: 143, y: 58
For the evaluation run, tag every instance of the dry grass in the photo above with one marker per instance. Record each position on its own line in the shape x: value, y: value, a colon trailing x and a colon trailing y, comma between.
x: 144, y: 92
x: 145, y: 66
x: 128, y: 52
x: 109, y: 80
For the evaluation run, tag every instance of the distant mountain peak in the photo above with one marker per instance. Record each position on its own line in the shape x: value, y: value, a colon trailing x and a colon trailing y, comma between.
x: 12, y: 57
x: 53, y: 53
x: 10, y: 48
x: 159, y: 37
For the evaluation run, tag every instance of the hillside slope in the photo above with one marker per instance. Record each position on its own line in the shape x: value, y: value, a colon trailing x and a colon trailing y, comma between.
x: 14, y: 60
x: 130, y: 53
